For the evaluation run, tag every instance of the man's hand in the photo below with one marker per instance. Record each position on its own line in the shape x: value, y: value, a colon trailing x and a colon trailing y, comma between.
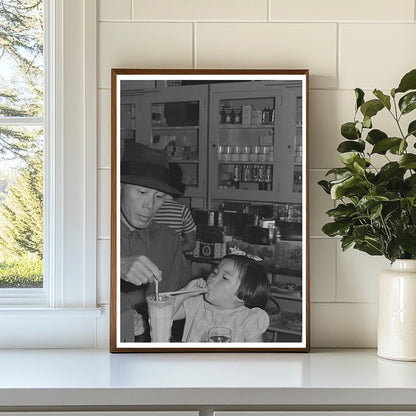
x: 139, y: 270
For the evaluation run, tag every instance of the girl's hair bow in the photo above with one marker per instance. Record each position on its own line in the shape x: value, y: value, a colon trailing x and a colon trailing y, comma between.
x: 238, y: 252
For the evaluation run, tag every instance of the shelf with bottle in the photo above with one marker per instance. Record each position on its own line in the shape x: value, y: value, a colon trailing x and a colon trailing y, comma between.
x: 245, y: 176
x: 247, y: 113
x: 249, y: 154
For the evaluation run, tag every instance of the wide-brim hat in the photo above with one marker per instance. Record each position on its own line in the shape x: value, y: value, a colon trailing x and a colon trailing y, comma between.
x: 143, y: 166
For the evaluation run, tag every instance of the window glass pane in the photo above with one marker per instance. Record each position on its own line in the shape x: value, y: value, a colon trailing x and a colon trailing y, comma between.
x: 21, y: 58
x: 21, y: 209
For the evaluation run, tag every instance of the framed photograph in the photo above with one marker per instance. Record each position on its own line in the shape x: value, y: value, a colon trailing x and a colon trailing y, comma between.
x: 209, y: 211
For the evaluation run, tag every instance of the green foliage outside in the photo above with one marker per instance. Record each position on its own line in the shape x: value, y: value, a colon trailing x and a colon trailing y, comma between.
x: 24, y: 271
x: 21, y: 211
x: 21, y: 95
x: 376, y: 210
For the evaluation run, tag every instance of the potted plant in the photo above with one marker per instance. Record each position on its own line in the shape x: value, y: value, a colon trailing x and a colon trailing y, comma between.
x: 376, y: 206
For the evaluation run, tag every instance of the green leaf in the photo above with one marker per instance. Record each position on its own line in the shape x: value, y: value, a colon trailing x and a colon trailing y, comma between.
x: 367, y: 122
x: 371, y: 108
x: 342, y: 211
x: 359, y: 95
x: 375, y: 211
x: 368, y: 248
x: 348, y: 158
x: 411, y: 130
x: 407, y: 240
x: 402, y: 147
x: 369, y: 201
x: 385, y: 99
x: 349, y: 131
x: 338, y: 171
x: 349, y: 146
x: 408, y: 102
x: 408, y: 161
x: 408, y: 82
x: 393, y: 250
x: 346, y: 242
x: 398, y: 149
x: 359, y: 165
x: 390, y: 170
x: 336, y: 228
x: 375, y: 136
x: 325, y: 186
x: 352, y: 186
x: 361, y: 231
x: 383, y: 145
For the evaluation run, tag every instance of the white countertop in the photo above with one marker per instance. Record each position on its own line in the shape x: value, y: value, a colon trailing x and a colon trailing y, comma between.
x: 96, y: 377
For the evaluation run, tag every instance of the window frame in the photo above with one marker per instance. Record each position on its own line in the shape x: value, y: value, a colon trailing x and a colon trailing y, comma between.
x: 70, y: 207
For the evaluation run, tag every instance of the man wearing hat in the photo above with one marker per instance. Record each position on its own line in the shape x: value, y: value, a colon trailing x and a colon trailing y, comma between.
x: 148, y: 251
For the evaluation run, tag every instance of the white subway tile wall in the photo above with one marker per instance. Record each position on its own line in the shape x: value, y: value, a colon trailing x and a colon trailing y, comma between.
x: 201, y: 10
x: 270, y: 45
x: 104, y: 202
x: 323, y: 266
x: 366, y: 52
x: 142, y: 45
x: 355, y: 10
x: 345, y: 44
x: 104, y: 128
x: 114, y: 10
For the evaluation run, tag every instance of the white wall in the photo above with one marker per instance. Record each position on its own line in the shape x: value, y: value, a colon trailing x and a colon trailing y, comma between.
x: 345, y: 44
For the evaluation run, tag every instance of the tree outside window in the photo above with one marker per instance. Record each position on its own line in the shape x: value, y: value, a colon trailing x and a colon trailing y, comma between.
x: 21, y: 143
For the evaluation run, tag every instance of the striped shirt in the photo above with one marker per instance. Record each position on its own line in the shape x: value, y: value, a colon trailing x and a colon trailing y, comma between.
x: 176, y: 216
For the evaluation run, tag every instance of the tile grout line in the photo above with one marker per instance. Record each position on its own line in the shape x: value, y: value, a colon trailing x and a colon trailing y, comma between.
x: 131, y: 9
x: 308, y: 22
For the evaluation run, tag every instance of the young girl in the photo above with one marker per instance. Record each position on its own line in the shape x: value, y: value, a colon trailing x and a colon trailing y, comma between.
x: 235, y: 294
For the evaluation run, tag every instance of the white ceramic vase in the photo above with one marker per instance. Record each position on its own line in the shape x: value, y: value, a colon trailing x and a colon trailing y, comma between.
x: 397, y: 312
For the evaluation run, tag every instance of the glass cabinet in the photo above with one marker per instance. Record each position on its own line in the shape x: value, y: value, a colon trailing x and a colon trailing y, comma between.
x: 238, y: 141
x: 253, y: 143
x: 175, y: 119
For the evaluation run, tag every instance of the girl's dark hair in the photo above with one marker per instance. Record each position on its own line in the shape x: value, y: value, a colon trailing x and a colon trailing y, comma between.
x: 254, y: 285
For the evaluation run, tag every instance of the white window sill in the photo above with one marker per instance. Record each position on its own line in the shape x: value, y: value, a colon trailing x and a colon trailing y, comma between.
x: 36, y: 312
x: 39, y: 327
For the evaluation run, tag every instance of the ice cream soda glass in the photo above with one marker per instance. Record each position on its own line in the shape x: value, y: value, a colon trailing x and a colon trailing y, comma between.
x: 160, y: 317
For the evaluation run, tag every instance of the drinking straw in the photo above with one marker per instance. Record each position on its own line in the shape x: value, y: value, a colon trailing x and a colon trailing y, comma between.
x: 157, y: 289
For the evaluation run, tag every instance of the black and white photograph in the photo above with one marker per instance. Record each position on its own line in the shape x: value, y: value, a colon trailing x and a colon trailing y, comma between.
x: 209, y: 211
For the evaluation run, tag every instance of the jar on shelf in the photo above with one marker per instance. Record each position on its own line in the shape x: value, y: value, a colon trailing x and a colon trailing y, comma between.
x: 256, y: 117
x: 227, y: 115
x: 237, y: 115
x: 221, y: 152
x: 227, y: 154
x: 222, y: 113
x: 247, y: 173
x: 246, y: 115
